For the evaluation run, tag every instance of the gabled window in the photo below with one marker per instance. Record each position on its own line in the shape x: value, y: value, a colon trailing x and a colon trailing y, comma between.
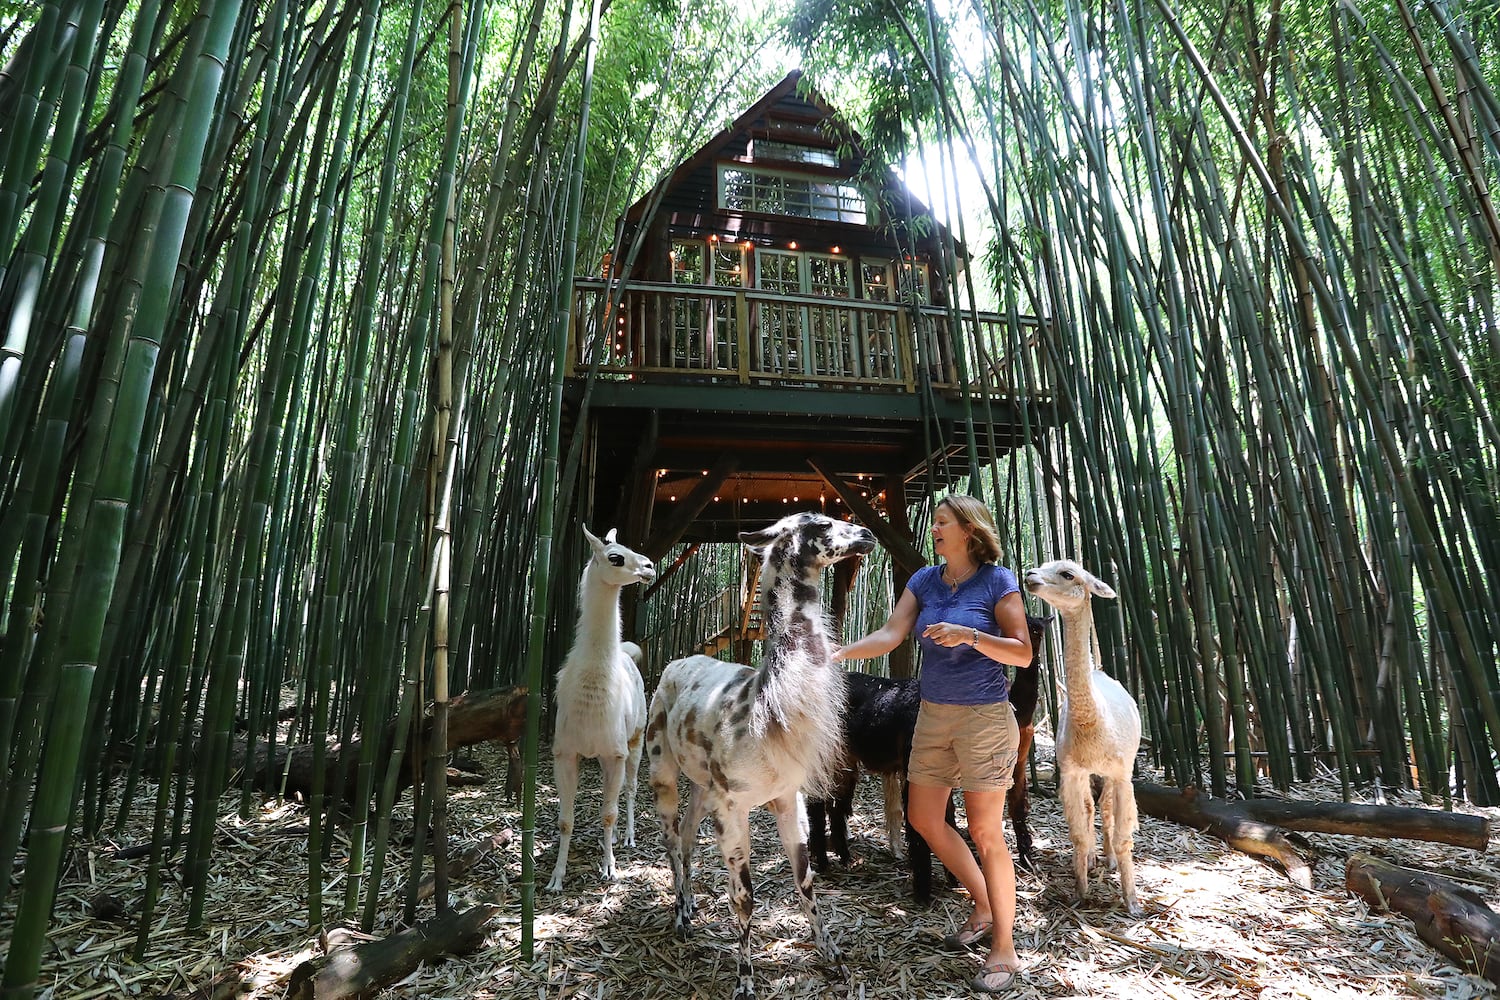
x: 789, y: 152
x: 780, y: 192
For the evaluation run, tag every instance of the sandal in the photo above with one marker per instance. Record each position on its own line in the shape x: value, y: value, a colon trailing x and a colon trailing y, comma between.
x: 967, y: 936
x: 994, y: 979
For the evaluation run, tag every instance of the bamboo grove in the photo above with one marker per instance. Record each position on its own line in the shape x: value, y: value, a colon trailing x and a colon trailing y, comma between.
x: 1266, y: 237
x: 282, y: 296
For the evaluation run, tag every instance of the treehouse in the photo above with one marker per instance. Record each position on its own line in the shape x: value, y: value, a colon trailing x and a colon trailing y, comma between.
x: 772, y: 332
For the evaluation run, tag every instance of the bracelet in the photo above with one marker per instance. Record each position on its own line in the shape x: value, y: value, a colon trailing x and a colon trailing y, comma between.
x: 975, y: 643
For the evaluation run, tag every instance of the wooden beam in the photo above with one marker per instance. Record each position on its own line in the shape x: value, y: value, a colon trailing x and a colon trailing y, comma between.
x: 672, y: 529
x: 903, y: 552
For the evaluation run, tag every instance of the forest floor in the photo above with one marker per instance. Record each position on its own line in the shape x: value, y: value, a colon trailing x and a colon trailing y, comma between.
x: 1218, y: 925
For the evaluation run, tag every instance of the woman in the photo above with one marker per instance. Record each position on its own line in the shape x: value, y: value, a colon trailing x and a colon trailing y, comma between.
x: 970, y: 621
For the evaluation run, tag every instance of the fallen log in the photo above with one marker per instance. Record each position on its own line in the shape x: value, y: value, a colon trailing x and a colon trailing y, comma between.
x: 1448, y: 916
x: 1400, y: 822
x: 473, y: 717
x: 365, y: 968
x: 1222, y: 820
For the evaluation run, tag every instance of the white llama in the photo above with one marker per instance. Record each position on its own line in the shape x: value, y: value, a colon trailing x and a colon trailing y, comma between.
x: 1099, y: 730
x: 748, y: 737
x: 601, y: 700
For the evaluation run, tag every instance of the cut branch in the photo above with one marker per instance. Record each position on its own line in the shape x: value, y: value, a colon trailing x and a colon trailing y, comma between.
x: 1450, y: 917
x: 1230, y: 824
x: 363, y: 969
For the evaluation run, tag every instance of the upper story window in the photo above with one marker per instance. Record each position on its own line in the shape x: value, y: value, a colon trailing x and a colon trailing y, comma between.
x: 789, y: 152
x: 757, y: 189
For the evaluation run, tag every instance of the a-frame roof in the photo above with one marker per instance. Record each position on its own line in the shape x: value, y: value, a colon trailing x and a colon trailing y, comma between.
x: 791, y: 100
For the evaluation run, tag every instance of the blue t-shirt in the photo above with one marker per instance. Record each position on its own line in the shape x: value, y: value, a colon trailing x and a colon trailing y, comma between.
x: 960, y: 675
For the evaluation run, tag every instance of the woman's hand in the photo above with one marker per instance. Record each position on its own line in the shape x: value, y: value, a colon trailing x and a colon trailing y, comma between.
x: 838, y: 655
x: 948, y: 634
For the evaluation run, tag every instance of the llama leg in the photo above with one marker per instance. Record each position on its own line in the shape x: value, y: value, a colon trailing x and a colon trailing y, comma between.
x: 1124, y: 840
x: 895, y: 815
x: 838, y: 817
x: 664, y: 785
x: 632, y: 782
x: 734, y: 845
x: 918, y: 852
x: 565, y: 773
x: 1018, y: 800
x: 1107, y: 821
x: 817, y: 832
x: 614, y: 775
x: 1078, y: 806
x: 688, y: 830
x: 790, y: 830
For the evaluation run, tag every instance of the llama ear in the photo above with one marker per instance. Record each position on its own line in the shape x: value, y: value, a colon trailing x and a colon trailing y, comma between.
x: 1099, y: 588
x: 757, y: 540
x: 594, y: 542
x: 610, y: 537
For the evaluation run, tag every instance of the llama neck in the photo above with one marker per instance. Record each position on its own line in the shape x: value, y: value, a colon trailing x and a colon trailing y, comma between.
x: 1078, y: 665
x: 798, y: 651
x: 598, y: 619
x: 799, y: 696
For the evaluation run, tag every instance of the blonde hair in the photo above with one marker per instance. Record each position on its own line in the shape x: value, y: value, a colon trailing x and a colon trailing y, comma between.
x: 984, y: 538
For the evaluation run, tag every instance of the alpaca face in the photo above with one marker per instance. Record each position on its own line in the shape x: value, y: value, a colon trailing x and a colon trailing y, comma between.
x: 809, y: 542
x: 618, y: 565
x: 1065, y: 585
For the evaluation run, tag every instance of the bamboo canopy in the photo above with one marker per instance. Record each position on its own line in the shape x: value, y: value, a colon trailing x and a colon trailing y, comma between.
x: 282, y: 289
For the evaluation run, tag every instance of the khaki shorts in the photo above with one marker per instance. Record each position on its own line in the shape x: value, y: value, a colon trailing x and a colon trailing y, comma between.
x: 972, y: 747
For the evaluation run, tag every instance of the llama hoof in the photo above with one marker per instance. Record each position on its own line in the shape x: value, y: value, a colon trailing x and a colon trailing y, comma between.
x: 1133, y: 908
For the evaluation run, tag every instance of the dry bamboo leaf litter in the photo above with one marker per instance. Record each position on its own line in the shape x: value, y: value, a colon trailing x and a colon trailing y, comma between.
x: 1217, y: 925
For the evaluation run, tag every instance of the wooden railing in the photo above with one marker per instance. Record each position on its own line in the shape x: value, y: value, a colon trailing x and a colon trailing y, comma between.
x: 748, y: 335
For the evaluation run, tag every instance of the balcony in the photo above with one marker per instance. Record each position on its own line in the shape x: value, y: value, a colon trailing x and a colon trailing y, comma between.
x: 660, y: 333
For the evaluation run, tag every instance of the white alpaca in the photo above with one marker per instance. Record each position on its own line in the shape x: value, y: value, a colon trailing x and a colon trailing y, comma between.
x: 601, y: 700
x: 748, y: 737
x: 1099, y: 730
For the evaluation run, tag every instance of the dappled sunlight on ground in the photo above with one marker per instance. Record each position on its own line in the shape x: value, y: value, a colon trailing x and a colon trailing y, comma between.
x: 1218, y: 925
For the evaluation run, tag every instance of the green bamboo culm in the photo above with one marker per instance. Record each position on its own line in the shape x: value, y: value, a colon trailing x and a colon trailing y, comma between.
x: 542, y: 581
x: 54, y: 798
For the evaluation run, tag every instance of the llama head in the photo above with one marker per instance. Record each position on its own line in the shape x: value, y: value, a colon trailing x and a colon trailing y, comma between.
x: 616, y: 564
x: 1037, y: 625
x: 1065, y: 585
x: 808, y: 542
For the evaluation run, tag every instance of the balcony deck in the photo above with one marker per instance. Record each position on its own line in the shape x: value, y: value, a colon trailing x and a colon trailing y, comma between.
x: 788, y: 389
x: 702, y: 334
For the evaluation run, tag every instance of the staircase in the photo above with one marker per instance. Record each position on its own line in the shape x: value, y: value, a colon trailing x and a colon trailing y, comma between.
x: 747, y: 624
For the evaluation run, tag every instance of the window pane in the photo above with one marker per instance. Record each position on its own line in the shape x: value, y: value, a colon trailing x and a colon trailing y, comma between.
x: 750, y: 190
x: 687, y: 263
